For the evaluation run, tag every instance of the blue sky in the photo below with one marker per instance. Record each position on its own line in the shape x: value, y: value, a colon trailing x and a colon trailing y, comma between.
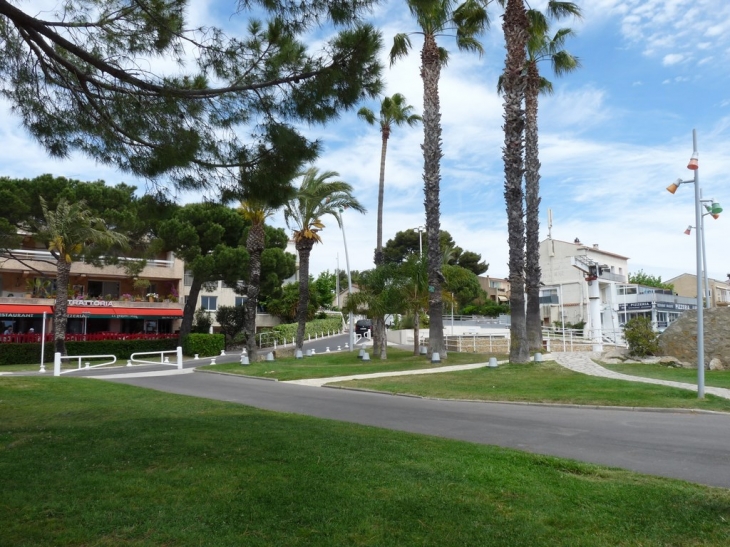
x: 612, y: 137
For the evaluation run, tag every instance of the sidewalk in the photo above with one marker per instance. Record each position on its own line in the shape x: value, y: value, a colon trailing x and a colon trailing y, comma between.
x: 319, y: 382
x: 583, y: 362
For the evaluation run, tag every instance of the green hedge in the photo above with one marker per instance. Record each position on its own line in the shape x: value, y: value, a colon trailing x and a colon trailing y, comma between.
x: 289, y: 330
x: 204, y: 345
x: 20, y: 354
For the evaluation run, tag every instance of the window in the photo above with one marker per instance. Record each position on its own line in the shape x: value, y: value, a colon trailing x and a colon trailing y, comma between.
x: 240, y: 300
x: 188, y: 279
x: 209, y: 303
x: 99, y: 289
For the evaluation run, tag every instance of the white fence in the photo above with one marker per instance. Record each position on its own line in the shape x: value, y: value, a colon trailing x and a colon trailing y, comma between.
x: 87, y: 359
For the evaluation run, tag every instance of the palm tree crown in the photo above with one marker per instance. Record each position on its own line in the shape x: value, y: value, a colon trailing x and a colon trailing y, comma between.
x: 317, y: 197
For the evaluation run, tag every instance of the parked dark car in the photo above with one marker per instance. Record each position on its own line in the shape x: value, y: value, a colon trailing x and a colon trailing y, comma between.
x: 363, y: 326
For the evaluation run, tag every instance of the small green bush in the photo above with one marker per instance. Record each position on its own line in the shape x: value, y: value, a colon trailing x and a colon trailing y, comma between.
x: 641, y: 337
x: 203, y: 345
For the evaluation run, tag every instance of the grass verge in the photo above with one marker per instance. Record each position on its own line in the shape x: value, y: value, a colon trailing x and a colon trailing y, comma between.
x: 325, y: 365
x: 714, y: 378
x: 90, y: 463
x: 545, y: 382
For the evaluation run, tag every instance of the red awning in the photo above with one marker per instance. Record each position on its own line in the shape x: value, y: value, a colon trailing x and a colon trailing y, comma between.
x: 122, y: 313
x: 24, y: 310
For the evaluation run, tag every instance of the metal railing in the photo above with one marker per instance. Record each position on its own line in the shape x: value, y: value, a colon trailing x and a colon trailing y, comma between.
x: 57, y: 358
x: 28, y: 254
x: 275, y: 339
x: 163, y: 360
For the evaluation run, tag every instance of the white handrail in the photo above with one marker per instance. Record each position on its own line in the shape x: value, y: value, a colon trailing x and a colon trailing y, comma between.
x: 178, y: 360
x: 57, y: 358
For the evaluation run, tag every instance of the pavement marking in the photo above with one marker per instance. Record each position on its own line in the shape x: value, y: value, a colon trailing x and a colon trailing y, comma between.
x: 142, y: 374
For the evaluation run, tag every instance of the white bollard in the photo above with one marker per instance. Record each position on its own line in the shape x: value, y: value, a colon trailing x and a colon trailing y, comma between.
x: 327, y: 349
x: 270, y: 356
x: 87, y: 364
x: 309, y: 353
x: 347, y: 345
x: 212, y: 361
x: 435, y: 357
x: 129, y: 363
x: 538, y: 357
x: 339, y: 348
x: 196, y: 356
x: 366, y: 356
x: 493, y: 362
x: 223, y: 352
x: 298, y: 354
x: 244, y: 360
x: 423, y: 350
x: 167, y: 360
x: 314, y: 351
x: 57, y: 364
x: 178, y: 355
x: 43, y: 367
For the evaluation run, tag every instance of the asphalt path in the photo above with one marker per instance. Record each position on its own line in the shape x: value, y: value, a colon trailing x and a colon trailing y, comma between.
x: 689, y: 446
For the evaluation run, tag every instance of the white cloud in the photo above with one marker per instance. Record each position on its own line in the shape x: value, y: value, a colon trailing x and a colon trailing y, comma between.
x: 672, y: 59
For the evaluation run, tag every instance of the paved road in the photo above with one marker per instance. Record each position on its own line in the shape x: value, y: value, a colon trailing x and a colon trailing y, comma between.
x: 690, y: 446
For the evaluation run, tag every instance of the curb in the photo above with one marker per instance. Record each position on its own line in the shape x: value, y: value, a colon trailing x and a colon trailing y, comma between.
x: 528, y: 403
x: 235, y: 375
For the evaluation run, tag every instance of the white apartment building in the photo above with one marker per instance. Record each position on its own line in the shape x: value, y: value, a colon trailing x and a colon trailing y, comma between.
x: 569, y: 272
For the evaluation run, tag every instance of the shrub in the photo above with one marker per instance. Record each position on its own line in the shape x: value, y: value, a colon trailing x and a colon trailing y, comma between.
x: 203, y: 345
x: 641, y: 337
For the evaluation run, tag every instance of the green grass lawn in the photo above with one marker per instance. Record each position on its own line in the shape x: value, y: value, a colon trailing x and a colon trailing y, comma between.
x: 85, y: 462
x: 714, y: 378
x: 545, y: 382
x: 325, y: 365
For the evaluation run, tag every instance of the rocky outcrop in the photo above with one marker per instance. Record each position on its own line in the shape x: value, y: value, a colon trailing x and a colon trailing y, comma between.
x: 680, y: 338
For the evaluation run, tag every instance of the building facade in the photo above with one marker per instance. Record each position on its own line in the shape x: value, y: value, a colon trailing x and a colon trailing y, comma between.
x: 574, y: 274
x: 498, y: 289
x: 101, y: 299
x: 718, y: 292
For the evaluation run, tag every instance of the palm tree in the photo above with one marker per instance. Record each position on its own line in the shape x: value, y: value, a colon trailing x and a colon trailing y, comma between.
x: 540, y: 47
x: 393, y: 111
x: 256, y: 213
x: 515, y: 26
x: 317, y: 197
x: 67, y: 232
x: 436, y: 17
x: 414, y: 292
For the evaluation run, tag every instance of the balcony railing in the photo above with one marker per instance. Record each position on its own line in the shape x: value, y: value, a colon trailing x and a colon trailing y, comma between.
x: 28, y: 254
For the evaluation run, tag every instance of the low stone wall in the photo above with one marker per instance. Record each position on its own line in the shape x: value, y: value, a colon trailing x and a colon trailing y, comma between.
x: 679, y: 340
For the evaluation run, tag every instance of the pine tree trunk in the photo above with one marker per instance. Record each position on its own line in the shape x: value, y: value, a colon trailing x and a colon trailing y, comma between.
x: 255, y: 246
x: 532, y: 205
x: 60, y: 310
x: 430, y: 73
x: 515, y: 26
x: 416, y: 333
x: 189, y: 311
x: 304, y: 248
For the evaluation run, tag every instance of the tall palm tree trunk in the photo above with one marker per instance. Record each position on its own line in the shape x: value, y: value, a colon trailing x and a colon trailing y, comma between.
x: 60, y: 310
x: 380, y: 342
x: 416, y: 333
x: 515, y: 26
x: 304, y: 248
x: 255, y: 243
x: 532, y: 205
x: 430, y: 73
x: 189, y: 312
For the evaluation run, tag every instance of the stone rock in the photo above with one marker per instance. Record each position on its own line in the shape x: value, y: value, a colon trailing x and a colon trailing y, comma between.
x: 618, y: 354
x: 716, y: 364
x: 680, y: 338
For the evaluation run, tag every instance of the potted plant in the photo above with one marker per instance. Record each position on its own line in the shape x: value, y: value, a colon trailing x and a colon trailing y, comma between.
x: 141, y: 285
x: 152, y: 296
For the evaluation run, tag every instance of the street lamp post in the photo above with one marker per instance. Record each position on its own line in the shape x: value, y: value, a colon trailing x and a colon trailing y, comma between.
x: 694, y: 166
x: 351, y: 318
x: 420, y: 230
